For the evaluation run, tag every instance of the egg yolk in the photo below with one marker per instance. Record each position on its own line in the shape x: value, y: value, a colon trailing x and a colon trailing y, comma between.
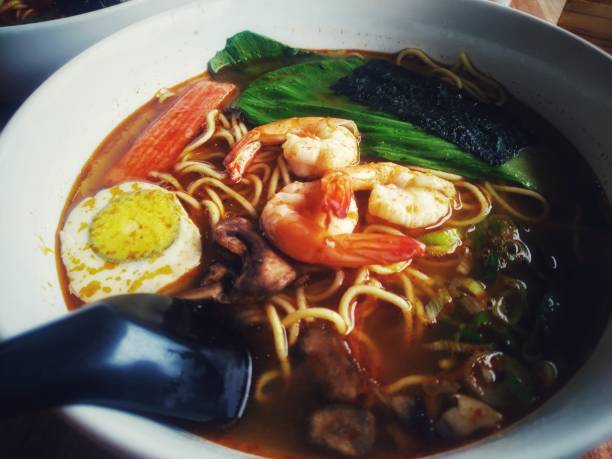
x: 135, y: 225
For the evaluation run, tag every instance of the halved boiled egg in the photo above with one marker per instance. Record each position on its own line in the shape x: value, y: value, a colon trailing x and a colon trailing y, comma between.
x: 132, y: 237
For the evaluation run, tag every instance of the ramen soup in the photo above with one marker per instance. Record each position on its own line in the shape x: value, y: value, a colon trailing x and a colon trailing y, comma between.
x: 414, y: 257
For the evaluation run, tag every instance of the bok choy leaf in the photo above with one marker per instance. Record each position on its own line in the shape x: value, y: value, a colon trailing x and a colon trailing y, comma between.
x: 252, y: 54
x: 303, y: 89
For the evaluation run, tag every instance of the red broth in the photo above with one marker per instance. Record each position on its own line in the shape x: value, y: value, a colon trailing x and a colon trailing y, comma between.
x: 571, y: 242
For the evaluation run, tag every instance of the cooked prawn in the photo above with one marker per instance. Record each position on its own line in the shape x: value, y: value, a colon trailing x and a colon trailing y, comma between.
x: 400, y: 195
x: 312, y: 145
x: 298, y: 221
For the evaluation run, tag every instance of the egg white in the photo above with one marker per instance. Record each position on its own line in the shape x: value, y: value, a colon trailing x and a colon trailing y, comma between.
x: 92, y: 278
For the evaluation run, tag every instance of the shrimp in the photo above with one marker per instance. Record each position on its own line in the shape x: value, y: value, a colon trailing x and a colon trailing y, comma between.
x: 298, y: 221
x: 312, y: 146
x: 400, y: 195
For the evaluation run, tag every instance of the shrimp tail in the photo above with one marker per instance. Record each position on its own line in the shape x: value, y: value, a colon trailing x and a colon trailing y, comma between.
x: 241, y: 155
x: 337, y: 193
x: 356, y: 250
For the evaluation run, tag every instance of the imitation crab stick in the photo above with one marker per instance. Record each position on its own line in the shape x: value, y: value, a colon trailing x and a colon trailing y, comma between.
x: 162, y: 142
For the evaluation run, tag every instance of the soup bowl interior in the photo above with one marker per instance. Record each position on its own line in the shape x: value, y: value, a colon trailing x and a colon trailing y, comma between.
x: 46, y: 144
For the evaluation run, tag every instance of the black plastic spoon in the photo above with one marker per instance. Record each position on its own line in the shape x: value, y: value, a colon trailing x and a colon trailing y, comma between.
x: 151, y: 354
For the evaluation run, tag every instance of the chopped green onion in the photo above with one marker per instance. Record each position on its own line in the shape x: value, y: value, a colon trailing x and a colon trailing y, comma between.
x: 482, y: 318
x: 498, y: 379
x: 510, y: 306
x: 466, y: 263
x: 456, y: 346
x: 469, y: 292
x: 471, y: 304
x: 472, y: 334
x: 163, y: 94
x: 442, y: 242
x: 459, y: 286
x: 497, y: 245
x: 436, y: 305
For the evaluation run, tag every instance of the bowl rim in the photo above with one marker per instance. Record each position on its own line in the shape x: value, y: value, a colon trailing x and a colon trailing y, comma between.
x: 79, y: 420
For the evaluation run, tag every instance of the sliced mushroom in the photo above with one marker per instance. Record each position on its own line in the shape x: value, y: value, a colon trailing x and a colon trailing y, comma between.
x: 263, y: 271
x: 217, y: 272
x: 402, y: 406
x: 215, y: 285
x: 469, y: 416
x: 212, y: 292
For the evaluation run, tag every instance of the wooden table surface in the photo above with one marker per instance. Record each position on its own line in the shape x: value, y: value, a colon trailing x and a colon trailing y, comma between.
x: 48, y: 436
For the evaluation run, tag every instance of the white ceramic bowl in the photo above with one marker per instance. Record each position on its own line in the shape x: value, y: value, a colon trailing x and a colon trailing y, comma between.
x: 47, y: 142
x: 29, y: 53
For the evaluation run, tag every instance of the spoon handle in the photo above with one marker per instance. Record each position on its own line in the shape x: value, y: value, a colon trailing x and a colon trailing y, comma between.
x: 101, y: 356
x: 46, y: 366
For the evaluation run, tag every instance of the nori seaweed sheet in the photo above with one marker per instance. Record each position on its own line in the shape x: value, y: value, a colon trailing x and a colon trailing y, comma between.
x: 482, y: 129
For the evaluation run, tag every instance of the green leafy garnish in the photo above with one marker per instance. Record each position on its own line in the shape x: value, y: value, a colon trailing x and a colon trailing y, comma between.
x: 304, y: 90
x: 284, y: 81
x: 253, y: 54
x: 441, y: 242
x: 510, y: 382
x: 497, y: 244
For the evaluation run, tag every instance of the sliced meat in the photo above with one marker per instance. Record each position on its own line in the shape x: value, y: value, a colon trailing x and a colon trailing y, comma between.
x: 343, y: 429
x: 264, y: 272
x: 403, y: 406
x: 329, y: 358
x: 467, y: 417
